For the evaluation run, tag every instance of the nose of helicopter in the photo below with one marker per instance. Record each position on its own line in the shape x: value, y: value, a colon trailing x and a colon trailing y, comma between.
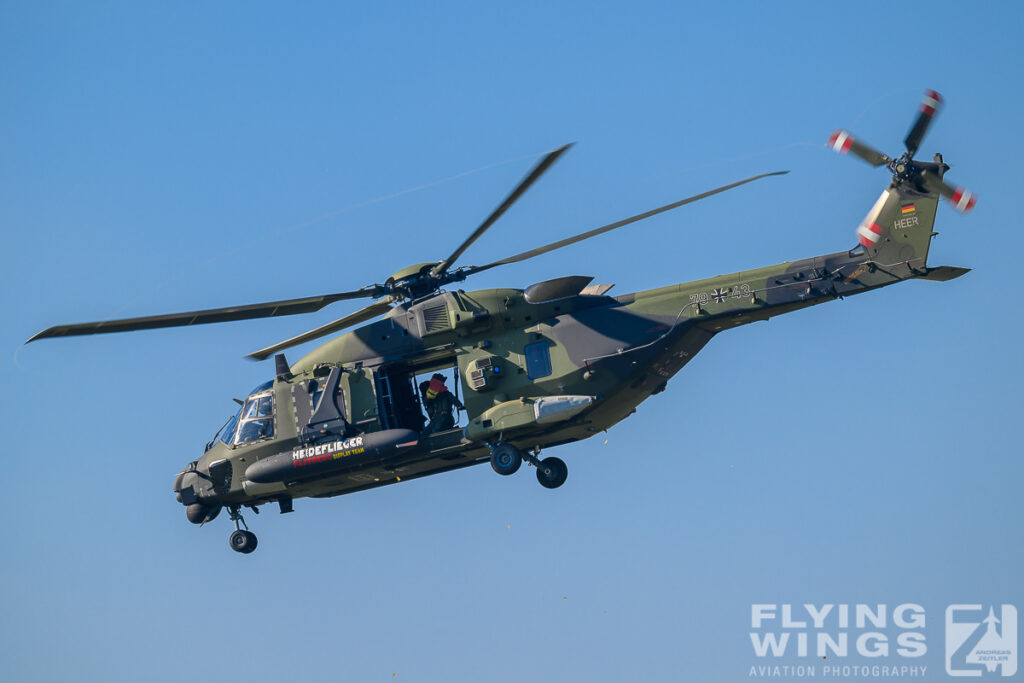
x: 186, y: 484
x: 184, y: 481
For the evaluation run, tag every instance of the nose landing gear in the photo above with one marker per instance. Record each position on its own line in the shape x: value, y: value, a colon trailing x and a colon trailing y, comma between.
x: 242, y: 540
x: 506, y: 459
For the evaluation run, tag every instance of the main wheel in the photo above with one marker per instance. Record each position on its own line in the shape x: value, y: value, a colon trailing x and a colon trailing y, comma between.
x: 243, y: 541
x: 552, y: 472
x: 506, y: 459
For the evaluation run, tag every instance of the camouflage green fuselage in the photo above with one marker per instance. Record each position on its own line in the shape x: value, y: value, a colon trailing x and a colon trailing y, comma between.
x: 512, y: 349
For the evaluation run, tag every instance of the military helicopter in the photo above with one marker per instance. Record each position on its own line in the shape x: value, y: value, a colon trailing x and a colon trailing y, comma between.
x: 554, y: 363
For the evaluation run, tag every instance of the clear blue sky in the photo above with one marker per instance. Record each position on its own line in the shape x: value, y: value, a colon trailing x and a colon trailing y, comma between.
x: 173, y: 156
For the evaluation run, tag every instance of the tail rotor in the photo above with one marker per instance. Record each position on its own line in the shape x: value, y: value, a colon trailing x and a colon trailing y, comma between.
x: 909, y: 174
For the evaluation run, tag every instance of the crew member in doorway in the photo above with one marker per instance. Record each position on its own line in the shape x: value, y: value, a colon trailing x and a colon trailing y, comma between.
x: 428, y: 403
x: 440, y: 405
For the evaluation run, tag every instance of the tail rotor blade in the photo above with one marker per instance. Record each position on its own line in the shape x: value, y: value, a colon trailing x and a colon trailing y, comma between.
x: 842, y: 142
x: 930, y: 105
x: 961, y: 199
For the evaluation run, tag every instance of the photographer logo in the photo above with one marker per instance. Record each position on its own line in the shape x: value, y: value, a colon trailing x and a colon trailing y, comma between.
x: 981, y: 640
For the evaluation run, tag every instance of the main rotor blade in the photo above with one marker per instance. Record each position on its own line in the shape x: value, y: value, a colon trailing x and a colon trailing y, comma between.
x: 523, y: 186
x: 842, y: 142
x: 930, y: 105
x: 371, y: 311
x: 268, y: 309
x: 612, y: 226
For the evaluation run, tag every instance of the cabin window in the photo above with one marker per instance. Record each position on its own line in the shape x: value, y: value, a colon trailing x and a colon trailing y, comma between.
x: 538, y: 360
x: 257, y: 419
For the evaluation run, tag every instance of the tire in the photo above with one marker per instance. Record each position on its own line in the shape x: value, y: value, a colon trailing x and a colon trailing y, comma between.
x: 506, y: 459
x: 243, y: 541
x: 552, y: 472
x: 251, y: 542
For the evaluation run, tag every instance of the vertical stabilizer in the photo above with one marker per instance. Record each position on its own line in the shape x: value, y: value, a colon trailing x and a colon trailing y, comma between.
x: 898, y: 229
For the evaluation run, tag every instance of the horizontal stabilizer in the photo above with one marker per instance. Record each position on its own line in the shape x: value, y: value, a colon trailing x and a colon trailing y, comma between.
x: 944, y: 273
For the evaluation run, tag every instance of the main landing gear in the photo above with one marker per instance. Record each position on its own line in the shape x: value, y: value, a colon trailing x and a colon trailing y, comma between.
x: 242, y: 540
x: 506, y: 459
x: 552, y: 472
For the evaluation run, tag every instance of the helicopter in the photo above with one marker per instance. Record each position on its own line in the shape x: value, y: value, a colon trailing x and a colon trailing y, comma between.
x: 551, y: 364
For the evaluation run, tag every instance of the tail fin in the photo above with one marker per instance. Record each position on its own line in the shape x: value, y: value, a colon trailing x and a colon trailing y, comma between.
x: 898, y: 229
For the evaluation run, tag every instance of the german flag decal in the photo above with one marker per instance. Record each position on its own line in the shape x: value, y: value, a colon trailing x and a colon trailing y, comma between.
x: 907, y: 209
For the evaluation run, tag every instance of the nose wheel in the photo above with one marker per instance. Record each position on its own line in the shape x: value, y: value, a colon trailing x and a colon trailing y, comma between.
x: 241, y: 540
x: 506, y: 459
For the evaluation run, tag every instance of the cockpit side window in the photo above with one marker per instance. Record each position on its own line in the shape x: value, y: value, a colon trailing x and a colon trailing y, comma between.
x: 257, y: 419
x: 258, y: 406
x: 250, y: 408
x: 266, y: 406
x: 227, y: 434
x: 253, y: 430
